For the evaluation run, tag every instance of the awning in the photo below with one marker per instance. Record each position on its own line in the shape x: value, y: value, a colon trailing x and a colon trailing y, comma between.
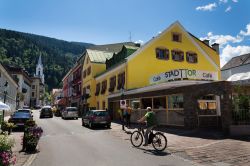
x: 4, y: 106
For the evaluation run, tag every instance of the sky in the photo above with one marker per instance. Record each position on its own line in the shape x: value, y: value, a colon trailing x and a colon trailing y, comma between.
x: 226, y: 22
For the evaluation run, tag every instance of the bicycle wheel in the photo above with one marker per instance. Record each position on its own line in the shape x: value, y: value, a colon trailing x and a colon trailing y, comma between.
x: 159, y: 142
x: 136, y: 139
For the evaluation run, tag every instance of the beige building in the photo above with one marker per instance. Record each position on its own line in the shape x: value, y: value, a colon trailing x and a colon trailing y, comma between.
x: 37, y: 92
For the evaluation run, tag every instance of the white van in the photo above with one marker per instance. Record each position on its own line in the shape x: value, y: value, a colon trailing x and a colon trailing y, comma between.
x: 70, y: 112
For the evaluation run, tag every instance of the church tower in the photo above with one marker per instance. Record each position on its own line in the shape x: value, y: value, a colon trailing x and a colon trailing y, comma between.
x: 39, y: 69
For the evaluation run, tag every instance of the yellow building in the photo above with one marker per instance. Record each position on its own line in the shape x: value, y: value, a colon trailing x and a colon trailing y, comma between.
x: 174, y: 57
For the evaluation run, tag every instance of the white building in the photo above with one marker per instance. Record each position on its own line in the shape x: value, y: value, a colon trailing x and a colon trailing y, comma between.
x: 39, y: 69
x: 8, y: 88
x: 24, y: 83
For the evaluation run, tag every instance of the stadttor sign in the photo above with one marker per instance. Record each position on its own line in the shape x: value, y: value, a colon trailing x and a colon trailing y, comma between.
x: 184, y: 74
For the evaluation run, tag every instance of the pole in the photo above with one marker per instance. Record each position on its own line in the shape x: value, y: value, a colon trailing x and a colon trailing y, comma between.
x: 4, y: 100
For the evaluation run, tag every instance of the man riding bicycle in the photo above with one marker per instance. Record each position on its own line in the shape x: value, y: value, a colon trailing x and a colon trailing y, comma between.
x: 151, y: 120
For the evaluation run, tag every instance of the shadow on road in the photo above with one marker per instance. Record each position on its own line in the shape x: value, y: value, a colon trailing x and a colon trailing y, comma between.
x: 154, y: 152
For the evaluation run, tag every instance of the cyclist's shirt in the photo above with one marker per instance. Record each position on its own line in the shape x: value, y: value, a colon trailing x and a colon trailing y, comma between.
x: 151, y: 119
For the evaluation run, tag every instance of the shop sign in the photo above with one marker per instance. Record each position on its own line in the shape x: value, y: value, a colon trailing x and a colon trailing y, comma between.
x: 184, y: 74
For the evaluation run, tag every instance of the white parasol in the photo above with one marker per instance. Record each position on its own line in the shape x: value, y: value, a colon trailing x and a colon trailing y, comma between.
x: 4, y: 106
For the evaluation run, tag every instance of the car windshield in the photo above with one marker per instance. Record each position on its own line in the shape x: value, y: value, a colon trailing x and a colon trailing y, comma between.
x: 24, y: 110
x: 72, y: 109
x: 101, y: 113
x: 46, y: 109
x: 21, y: 115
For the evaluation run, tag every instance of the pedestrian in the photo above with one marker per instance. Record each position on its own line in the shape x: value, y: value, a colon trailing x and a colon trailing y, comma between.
x: 124, y: 118
x: 128, y: 116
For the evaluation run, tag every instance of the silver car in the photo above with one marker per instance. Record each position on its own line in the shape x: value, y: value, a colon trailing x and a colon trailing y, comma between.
x: 70, y: 112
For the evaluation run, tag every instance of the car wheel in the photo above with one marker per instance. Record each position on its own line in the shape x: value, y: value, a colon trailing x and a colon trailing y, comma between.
x: 83, y: 123
x: 109, y: 126
x: 76, y: 118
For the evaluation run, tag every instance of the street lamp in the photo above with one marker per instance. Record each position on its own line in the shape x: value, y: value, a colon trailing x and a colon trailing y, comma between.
x: 5, y: 94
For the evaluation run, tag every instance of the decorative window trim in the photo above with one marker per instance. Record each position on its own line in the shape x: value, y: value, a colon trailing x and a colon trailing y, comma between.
x: 165, y: 50
x: 175, y: 54
x: 179, y: 37
x: 104, y: 86
x: 89, y: 70
x: 112, y: 83
x: 121, y: 81
x: 98, y: 87
x: 190, y: 55
x: 84, y: 74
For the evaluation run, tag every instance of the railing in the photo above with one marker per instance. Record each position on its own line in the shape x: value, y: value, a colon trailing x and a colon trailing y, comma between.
x: 241, y: 117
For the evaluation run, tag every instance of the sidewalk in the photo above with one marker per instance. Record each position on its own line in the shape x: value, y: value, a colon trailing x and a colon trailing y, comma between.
x: 200, y: 146
x: 21, y: 157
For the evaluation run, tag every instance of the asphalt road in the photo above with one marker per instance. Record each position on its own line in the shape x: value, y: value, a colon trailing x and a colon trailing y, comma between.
x: 67, y: 143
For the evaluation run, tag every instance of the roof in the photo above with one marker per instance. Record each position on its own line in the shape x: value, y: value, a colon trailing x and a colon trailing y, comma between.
x: 116, y: 47
x: 237, y: 61
x: 99, y: 56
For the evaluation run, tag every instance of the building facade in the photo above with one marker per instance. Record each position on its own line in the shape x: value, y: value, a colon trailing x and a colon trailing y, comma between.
x: 174, y: 58
x: 8, y: 88
x: 37, y: 92
x: 24, y: 85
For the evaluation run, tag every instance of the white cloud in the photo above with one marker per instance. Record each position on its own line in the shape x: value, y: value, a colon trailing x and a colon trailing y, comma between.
x: 223, y: 1
x: 208, y: 7
x: 222, y: 39
x: 235, y: 1
x: 229, y: 52
x: 246, y: 33
x: 228, y: 9
x: 139, y: 41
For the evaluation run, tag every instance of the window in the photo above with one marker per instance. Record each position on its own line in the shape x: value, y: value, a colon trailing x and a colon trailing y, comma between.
x: 33, y: 87
x: 146, y: 102
x: 33, y: 94
x: 162, y: 53
x: 175, y: 102
x: 135, y: 103
x: 159, y: 102
x: 121, y: 81
x: 177, y: 55
x: 97, y: 89
x: 112, y: 84
x: 191, y: 57
x: 97, y: 105
x: 89, y: 70
x: 103, y: 105
x: 176, y: 37
x: 104, y: 86
x: 84, y: 73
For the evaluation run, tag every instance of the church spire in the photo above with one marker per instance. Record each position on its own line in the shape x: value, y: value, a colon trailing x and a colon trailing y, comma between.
x: 40, y: 60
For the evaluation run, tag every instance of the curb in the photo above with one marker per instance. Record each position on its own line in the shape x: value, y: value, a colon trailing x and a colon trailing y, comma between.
x: 30, y: 160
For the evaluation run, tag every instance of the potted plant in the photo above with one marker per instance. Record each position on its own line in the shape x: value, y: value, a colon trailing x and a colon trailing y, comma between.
x: 7, y: 126
x: 31, y: 138
x: 6, y: 156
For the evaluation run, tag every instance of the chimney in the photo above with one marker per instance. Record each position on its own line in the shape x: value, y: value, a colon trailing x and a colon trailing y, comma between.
x: 215, y: 46
x: 206, y: 42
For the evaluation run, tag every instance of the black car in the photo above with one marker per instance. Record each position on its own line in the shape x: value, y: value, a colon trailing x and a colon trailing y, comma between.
x: 96, y: 118
x: 46, y: 111
x: 19, y: 118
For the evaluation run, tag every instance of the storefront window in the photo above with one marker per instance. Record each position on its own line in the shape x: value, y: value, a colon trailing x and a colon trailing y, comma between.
x: 159, y: 102
x: 135, y: 104
x: 175, y: 102
x: 146, y: 102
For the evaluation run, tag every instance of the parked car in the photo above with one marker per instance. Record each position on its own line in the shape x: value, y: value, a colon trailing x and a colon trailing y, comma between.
x: 46, y: 111
x: 19, y: 118
x: 25, y: 110
x: 70, y: 112
x: 96, y: 118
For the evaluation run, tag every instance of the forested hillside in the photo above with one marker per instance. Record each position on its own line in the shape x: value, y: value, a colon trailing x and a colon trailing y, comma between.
x: 23, y: 49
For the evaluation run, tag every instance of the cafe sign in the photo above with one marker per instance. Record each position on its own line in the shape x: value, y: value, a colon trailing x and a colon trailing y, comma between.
x: 184, y: 74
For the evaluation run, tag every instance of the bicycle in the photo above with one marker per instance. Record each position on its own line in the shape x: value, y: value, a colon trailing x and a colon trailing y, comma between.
x: 157, y: 139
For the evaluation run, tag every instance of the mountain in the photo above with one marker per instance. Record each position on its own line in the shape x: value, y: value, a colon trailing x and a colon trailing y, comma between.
x: 23, y: 49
